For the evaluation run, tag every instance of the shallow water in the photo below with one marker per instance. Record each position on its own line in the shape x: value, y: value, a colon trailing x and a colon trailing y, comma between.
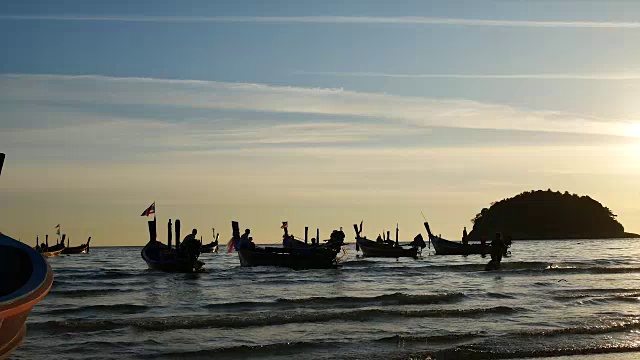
x: 550, y: 299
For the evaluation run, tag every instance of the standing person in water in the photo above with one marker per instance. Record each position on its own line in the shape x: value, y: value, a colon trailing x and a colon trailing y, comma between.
x: 497, y: 247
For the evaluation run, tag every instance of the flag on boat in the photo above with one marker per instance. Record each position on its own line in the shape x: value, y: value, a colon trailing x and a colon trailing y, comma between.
x: 150, y: 210
x: 285, y: 224
x: 230, y: 245
x: 58, y: 229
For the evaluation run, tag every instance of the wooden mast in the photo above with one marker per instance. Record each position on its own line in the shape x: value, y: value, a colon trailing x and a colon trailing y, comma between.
x: 169, y: 234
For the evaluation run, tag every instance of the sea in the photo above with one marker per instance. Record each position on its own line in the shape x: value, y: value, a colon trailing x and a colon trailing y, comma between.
x: 570, y: 299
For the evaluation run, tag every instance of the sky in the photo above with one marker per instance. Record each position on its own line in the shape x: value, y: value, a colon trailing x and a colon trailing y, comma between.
x: 319, y: 113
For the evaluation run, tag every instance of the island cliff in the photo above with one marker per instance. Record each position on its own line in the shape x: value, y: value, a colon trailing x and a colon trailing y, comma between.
x: 548, y: 215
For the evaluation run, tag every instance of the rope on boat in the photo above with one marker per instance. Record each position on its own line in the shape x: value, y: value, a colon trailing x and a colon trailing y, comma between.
x: 344, y: 253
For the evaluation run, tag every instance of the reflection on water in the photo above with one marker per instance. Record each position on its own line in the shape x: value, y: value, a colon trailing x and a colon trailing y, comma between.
x: 551, y: 299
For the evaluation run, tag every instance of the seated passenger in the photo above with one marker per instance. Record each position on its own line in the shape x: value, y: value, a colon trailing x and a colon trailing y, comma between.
x: 246, y: 241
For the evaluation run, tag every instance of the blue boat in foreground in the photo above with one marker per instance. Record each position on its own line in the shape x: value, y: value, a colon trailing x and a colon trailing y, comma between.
x: 26, y: 279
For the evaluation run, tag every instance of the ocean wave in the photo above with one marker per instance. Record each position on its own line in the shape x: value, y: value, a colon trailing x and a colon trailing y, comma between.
x: 351, y: 301
x: 599, y: 297
x: 266, y: 318
x: 445, y: 338
x: 242, y: 350
x: 283, y: 317
x: 599, y: 290
x: 114, y: 308
x: 499, y: 296
x: 75, y: 326
x: 592, y: 270
x: 489, y: 354
x: 87, y: 292
x: 619, y: 326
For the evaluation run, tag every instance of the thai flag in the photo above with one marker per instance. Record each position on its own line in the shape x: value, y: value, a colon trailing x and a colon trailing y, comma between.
x: 150, y: 210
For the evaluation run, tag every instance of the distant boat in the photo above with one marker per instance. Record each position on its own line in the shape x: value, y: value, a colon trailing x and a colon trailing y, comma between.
x: 81, y: 249
x: 50, y: 251
x: 297, y: 255
x: 212, y: 246
x: 387, y: 248
x: 26, y: 279
x: 159, y: 256
x: 447, y: 247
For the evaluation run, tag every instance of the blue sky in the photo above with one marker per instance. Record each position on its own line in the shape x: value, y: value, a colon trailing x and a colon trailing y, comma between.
x: 390, y: 107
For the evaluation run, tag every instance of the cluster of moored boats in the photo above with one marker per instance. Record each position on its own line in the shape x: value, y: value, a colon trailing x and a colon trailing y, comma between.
x: 27, y: 277
x: 60, y: 248
x: 296, y: 253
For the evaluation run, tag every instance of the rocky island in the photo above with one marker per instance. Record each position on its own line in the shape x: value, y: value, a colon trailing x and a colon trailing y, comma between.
x: 542, y: 215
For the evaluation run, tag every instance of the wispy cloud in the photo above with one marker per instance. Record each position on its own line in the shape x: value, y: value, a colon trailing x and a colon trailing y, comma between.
x: 530, y: 76
x: 402, y: 20
x: 195, y: 94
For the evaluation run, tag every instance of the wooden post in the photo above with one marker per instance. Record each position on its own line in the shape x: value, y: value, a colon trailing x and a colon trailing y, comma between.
x: 152, y: 230
x: 355, y: 227
x: 169, y: 233
x: 177, y: 224
x: 1, y: 161
x: 47, y: 240
x: 397, y: 243
x: 388, y: 235
x: 235, y: 227
x: 317, y: 236
x: 37, y: 241
x: 306, y: 234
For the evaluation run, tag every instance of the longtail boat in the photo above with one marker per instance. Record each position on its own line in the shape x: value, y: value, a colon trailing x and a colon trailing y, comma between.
x: 165, y: 258
x: 50, y: 251
x: 447, y: 247
x: 294, y: 254
x: 26, y: 279
x: 387, y: 248
x: 81, y: 249
x: 212, y: 246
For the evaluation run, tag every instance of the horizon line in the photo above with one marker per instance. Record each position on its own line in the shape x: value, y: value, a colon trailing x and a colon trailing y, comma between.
x: 520, y: 76
x: 403, y: 20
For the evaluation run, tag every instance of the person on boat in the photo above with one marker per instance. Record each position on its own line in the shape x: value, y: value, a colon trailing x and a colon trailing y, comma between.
x: 379, y: 239
x: 465, y: 241
x: 191, y: 245
x: 246, y: 241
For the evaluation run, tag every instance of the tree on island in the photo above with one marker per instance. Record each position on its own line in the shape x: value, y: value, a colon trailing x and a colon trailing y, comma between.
x: 547, y: 215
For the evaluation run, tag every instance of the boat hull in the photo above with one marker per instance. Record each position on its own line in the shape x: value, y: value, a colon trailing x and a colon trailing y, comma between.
x: 315, y: 258
x: 82, y: 249
x: 49, y: 254
x: 446, y: 247
x: 159, y: 257
x: 29, y: 279
x: 209, y: 248
x: 373, y: 249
